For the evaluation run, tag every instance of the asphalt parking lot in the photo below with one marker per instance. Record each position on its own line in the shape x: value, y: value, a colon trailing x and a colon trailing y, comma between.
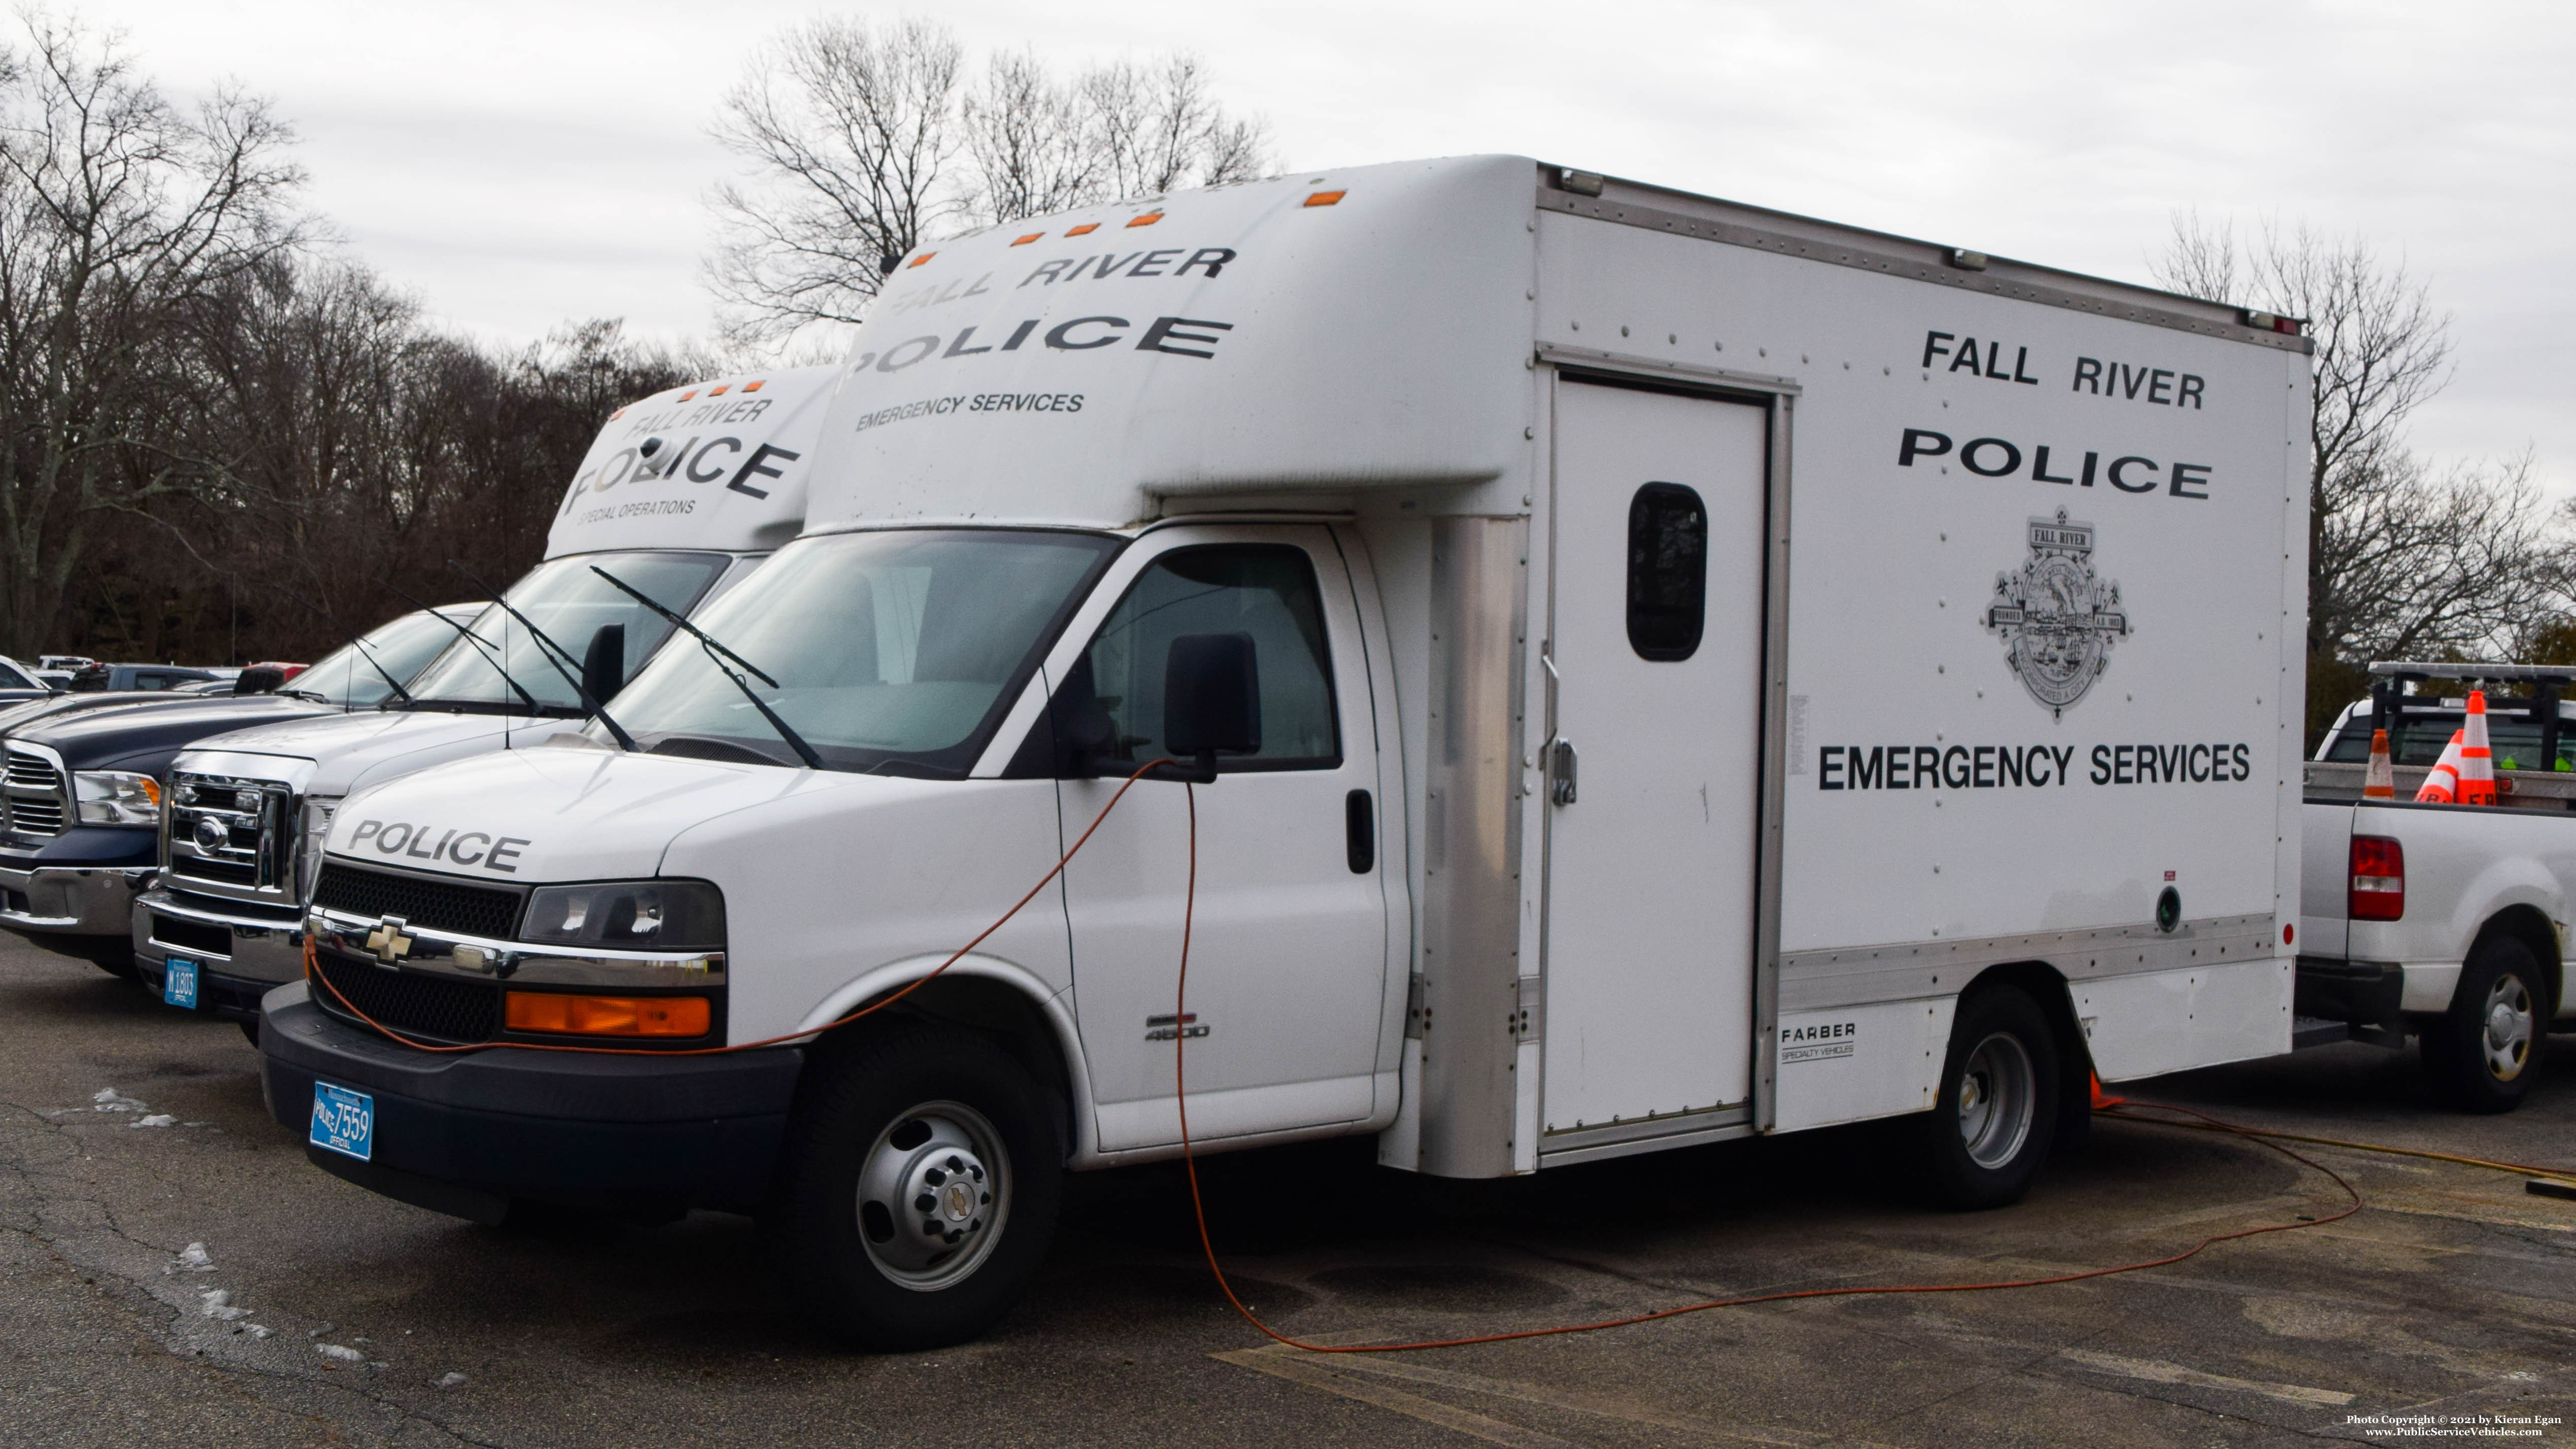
x: 323, y: 1315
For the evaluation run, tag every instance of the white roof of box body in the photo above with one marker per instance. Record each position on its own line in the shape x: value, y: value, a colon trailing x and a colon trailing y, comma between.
x: 714, y: 465
x: 1232, y: 341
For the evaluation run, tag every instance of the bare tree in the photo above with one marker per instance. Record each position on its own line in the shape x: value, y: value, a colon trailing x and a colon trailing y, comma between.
x: 865, y: 142
x: 2403, y: 558
x: 1031, y: 140
x: 118, y: 214
x: 851, y: 132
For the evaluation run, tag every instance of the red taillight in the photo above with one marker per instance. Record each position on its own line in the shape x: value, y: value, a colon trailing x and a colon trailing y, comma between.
x: 2378, y: 879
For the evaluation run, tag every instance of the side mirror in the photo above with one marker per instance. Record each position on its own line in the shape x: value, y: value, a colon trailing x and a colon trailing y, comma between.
x: 263, y: 680
x: 603, y: 665
x: 1211, y: 699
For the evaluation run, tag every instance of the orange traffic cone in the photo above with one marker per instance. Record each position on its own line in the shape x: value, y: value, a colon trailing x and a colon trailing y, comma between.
x: 2442, y: 782
x: 2477, y: 762
x: 2381, y: 782
x: 2101, y: 1101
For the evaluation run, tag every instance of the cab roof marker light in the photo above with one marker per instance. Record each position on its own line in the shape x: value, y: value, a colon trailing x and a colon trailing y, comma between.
x: 1086, y: 229
x: 1148, y: 219
x: 621, y: 412
x: 917, y: 261
x: 753, y: 386
x: 719, y: 391
x: 1326, y: 198
x: 684, y: 397
x: 1032, y: 236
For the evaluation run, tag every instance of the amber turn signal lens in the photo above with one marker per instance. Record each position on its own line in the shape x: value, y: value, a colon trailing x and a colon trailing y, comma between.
x: 607, y: 1015
x: 1325, y: 198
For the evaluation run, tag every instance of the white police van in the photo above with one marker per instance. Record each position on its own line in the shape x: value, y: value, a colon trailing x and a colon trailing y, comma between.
x: 1659, y: 671
x: 682, y: 494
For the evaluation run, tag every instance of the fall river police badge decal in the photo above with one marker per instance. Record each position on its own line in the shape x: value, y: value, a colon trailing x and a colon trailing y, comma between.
x: 2057, y: 617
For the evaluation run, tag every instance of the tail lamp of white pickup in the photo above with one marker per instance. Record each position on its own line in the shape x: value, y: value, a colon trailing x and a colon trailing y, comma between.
x: 2378, y: 879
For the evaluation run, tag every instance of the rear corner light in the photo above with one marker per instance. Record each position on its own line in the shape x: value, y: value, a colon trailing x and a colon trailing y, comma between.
x: 2378, y: 879
x: 559, y: 1014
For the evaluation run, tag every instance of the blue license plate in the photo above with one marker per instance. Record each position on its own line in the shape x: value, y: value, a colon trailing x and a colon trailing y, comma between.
x: 344, y: 1121
x: 179, y: 983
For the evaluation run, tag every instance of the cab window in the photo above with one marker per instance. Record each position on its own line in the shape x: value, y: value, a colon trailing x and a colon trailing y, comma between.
x: 1112, y: 705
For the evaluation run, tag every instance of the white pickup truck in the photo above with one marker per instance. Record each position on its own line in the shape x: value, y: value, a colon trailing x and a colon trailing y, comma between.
x: 2445, y: 922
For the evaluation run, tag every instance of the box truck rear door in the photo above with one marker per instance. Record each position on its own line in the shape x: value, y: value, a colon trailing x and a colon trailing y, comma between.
x: 1657, y: 638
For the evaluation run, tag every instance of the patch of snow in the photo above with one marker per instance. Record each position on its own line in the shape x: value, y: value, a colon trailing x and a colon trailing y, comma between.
x: 108, y: 1099
x: 448, y: 1381
x: 157, y: 1119
x: 218, y: 1303
x: 339, y: 1353
x: 192, y: 1259
x: 256, y: 1331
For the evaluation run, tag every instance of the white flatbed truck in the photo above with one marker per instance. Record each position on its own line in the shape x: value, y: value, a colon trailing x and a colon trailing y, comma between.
x: 1666, y: 671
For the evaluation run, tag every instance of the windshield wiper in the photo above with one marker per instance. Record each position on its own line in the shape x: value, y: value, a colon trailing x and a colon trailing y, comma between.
x: 548, y: 651
x: 355, y: 642
x: 482, y: 646
x: 716, y: 655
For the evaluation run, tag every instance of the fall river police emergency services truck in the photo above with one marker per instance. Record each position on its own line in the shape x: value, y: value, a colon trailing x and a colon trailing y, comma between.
x: 681, y: 494
x: 1658, y: 671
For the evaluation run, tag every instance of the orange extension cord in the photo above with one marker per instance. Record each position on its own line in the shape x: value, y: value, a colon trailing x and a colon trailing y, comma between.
x: 2201, y: 1121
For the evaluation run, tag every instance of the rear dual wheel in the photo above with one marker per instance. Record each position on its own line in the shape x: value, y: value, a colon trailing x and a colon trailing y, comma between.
x: 918, y: 1189
x: 1991, y: 1128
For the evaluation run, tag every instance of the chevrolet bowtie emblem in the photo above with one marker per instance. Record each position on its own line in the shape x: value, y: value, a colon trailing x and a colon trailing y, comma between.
x: 388, y: 941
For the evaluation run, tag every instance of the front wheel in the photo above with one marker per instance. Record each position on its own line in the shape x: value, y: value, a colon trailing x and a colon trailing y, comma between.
x: 1985, y: 1138
x: 918, y: 1190
x: 2482, y: 1053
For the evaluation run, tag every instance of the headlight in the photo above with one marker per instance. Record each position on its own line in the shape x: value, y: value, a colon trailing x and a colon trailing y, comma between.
x: 117, y: 797
x: 629, y: 915
x: 308, y: 855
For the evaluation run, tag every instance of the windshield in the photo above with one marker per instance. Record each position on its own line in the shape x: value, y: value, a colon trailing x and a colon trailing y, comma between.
x: 896, y: 647
x: 344, y: 677
x: 570, y: 603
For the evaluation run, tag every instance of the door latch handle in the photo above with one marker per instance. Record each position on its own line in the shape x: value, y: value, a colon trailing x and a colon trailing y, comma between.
x: 1560, y: 771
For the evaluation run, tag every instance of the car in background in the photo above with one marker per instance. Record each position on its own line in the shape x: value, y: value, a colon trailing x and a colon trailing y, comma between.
x: 67, y: 663
x: 18, y: 682
x: 97, y: 678
x: 81, y: 777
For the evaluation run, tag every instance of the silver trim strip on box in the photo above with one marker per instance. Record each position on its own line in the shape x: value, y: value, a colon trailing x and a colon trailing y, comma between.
x: 1908, y: 971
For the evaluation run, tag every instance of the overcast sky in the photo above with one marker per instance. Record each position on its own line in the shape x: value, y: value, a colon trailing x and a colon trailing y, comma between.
x: 520, y: 164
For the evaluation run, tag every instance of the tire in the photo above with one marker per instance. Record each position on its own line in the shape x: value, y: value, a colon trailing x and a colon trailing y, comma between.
x: 1996, y: 1117
x: 883, y: 1124
x: 2483, y: 1053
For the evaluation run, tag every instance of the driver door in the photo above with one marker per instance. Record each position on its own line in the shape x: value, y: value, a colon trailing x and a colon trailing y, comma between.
x: 1289, y: 941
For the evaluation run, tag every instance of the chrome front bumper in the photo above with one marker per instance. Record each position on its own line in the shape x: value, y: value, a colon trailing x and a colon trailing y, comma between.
x: 257, y: 947
x: 68, y: 900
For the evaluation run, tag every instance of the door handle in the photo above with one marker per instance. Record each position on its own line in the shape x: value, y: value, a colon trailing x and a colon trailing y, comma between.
x: 1561, y: 771
x: 1359, y: 826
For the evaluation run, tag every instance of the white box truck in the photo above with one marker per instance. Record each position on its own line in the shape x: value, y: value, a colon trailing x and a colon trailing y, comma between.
x: 683, y: 492
x: 1667, y: 671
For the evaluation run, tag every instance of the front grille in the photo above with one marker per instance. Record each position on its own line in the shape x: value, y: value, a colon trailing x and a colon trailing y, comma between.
x: 33, y: 790
x: 192, y: 935
x: 466, y: 910
x: 409, y: 1001
x: 231, y: 872
x: 233, y: 831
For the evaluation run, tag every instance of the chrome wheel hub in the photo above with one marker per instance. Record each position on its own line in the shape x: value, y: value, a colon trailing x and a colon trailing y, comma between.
x: 1997, y: 1098
x: 932, y: 1195
x: 2511, y: 1024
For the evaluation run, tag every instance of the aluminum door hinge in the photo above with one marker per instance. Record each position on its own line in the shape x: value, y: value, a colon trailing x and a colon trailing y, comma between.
x: 1529, y: 995
x: 1417, y: 1017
